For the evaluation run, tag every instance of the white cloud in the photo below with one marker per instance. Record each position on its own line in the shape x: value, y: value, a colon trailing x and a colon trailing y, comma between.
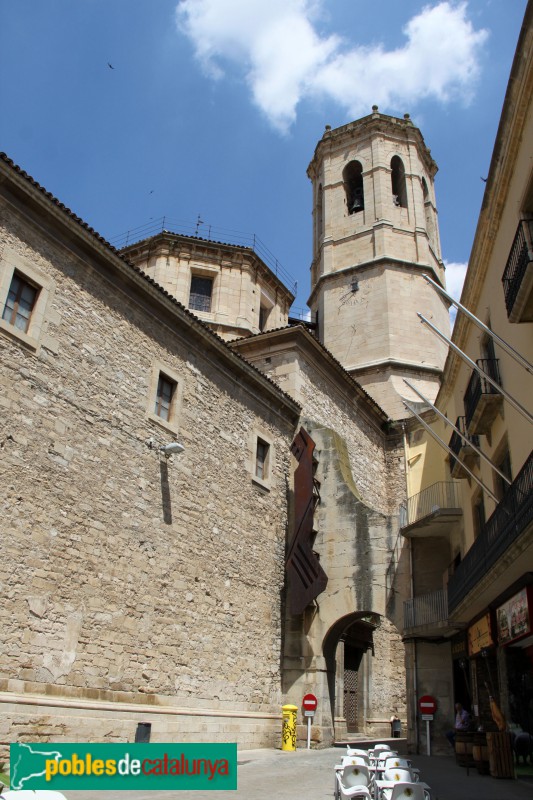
x: 455, y: 277
x: 284, y: 59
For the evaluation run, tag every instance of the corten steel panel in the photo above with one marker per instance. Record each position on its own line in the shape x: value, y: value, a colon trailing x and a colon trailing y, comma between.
x: 306, y: 578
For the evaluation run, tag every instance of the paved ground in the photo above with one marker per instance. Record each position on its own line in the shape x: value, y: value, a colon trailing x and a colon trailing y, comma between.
x: 308, y: 775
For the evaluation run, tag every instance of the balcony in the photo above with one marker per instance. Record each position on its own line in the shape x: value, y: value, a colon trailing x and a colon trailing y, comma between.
x: 433, y: 511
x: 518, y: 275
x: 426, y: 615
x: 482, y: 400
x: 512, y: 517
x: 464, y: 452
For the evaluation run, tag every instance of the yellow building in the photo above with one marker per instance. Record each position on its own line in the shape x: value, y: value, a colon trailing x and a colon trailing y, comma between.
x: 469, y: 517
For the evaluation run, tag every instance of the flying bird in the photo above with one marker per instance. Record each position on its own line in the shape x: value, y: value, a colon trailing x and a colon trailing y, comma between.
x: 110, y: 65
x: 483, y: 179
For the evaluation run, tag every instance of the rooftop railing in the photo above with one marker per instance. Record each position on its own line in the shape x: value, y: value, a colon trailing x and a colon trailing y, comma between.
x: 202, y: 230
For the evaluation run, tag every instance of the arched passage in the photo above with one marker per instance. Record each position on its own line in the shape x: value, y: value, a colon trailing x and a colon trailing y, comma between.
x: 365, y: 665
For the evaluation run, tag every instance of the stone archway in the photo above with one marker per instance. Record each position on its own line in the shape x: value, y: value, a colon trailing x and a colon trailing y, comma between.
x: 364, y: 658
x: 346, y: 625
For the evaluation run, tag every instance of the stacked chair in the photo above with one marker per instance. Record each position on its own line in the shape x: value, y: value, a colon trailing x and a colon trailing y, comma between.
x: 378, y: 774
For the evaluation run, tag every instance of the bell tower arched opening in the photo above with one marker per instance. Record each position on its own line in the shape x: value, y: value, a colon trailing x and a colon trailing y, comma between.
x: 352, y: 176
x: 399, y: 190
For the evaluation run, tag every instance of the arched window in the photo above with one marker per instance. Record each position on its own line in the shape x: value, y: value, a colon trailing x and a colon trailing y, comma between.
x: 319, y: 215
x: 399, y: 189
x: 428, y: 212
x: 352, y: 176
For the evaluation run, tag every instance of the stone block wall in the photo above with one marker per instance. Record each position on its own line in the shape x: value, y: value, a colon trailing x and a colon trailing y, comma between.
x: 123, y: 573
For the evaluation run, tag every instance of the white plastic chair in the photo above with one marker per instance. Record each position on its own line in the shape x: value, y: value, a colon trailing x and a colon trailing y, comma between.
x: 381, y: 758
x: 398, y: 775
x: 383, y: 755
x: 347, y: 761
x: 403, y: 763
x: 353, y: 751
x: 410, y: 791
x: 353, y: 782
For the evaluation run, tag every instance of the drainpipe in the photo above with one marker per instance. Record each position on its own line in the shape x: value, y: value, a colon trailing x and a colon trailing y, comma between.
x: 415, y: 662
x: 411, y: 582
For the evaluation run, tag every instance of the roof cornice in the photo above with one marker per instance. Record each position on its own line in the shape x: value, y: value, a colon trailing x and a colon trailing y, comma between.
x: 372, y: 125
x: 299, y: 337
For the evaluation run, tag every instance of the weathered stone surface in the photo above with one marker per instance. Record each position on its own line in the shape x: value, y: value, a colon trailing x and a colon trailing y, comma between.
x: 122, y: 570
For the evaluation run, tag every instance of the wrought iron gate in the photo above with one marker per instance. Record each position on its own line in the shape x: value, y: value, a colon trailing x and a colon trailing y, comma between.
x: 350, y: 698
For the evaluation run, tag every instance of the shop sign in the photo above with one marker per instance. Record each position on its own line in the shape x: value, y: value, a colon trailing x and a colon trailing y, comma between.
x: 513, y: 618
x: 480, y: 635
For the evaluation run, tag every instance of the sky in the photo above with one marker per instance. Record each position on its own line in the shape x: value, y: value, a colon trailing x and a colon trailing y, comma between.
x: 207, y: 112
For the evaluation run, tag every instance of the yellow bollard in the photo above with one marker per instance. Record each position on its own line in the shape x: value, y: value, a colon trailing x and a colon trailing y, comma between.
x: 288, y: 736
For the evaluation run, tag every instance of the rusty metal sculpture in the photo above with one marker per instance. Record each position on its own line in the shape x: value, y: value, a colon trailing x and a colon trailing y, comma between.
x: 306, y: 578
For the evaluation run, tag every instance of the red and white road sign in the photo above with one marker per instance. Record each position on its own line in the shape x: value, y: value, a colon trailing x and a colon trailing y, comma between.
x: 427, y: 704
x: 309, y: 703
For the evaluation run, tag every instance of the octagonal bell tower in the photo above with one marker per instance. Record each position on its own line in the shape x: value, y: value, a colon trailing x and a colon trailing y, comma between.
x: 375, y: 234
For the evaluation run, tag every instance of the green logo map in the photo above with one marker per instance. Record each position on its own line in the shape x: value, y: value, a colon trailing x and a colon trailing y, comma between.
x: 157, y: 766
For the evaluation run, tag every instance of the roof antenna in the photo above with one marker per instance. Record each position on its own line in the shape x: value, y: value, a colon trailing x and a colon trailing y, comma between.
x: 198, y: 223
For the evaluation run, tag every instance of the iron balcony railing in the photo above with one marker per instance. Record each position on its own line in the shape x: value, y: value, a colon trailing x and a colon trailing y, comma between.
x: 516, y: 266
x: 478, y: 385
x: 426, y: 609
x: 457, y: 443
x: 439, y: 496
x: 511, y: 517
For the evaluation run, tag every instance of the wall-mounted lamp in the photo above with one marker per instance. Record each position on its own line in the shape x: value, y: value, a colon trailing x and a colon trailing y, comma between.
x: 170, y: 449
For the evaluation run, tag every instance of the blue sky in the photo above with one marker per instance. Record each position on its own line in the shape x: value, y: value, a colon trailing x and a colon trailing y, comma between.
x: 214, y: 107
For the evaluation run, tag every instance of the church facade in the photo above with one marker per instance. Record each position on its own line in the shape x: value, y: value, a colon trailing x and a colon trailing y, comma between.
x: 201, y: 498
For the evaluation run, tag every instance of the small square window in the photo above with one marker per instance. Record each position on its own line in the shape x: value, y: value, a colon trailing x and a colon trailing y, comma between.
x: 261, y: 459
x: 163, y: 402
x: 20, y: 303
x: 26, y: 295
x: 164, y: 396
x: 200, y: 294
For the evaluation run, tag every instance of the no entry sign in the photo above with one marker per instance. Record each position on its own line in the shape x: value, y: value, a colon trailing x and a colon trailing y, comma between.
x: 427, y: 704
x: 309, y: 704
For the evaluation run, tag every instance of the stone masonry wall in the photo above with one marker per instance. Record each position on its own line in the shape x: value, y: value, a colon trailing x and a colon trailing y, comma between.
x: 377, y: 474
x: 128, y: 578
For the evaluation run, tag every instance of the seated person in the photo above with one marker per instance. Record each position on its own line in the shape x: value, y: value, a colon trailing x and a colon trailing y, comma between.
x: 462, y: 723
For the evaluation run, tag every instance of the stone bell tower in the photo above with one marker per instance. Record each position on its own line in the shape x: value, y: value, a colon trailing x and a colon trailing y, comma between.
x: 375, y: 234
